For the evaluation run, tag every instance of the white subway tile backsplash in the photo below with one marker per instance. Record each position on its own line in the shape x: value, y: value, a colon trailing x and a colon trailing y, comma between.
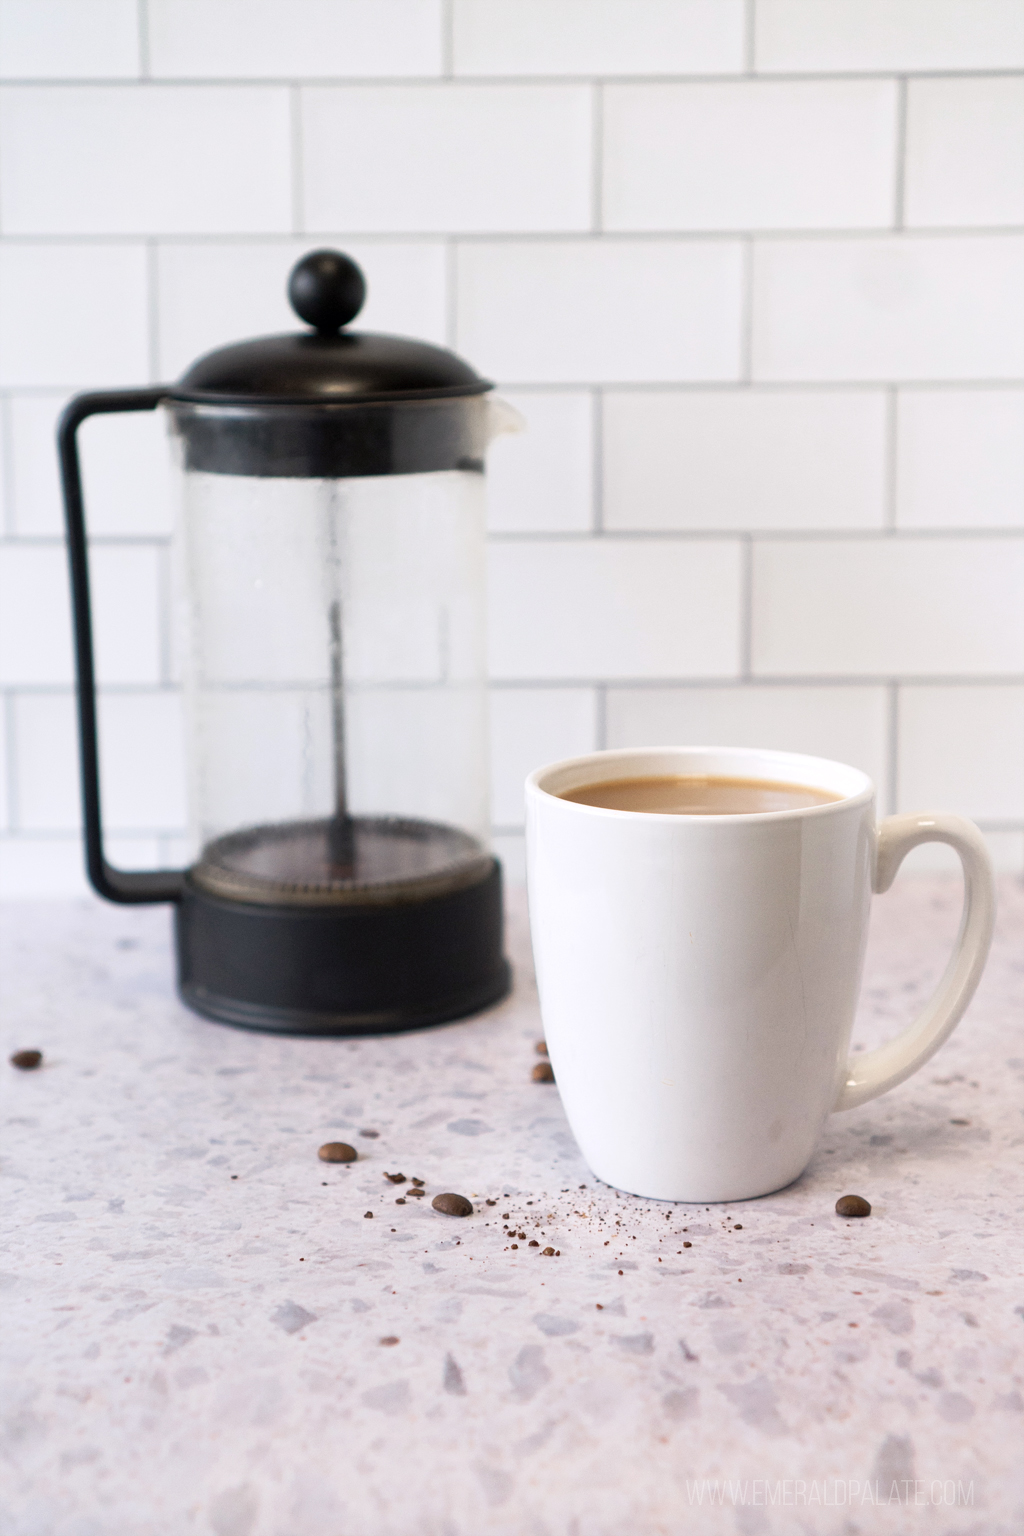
x: 93, y: 298
x: 617, y: 311
x: 737, y: 459
x: 274, y: 38
x: 126, y: 612
x: 211, y: 294
x: 965, y: 152
x: 447, y: 157
x: 41, y: 868
x: 753, y: 154
x: 945, y: 307
x: 530, y: 727
x: 958, y: 458
x: 581, y: 609
x: 46, y: 763
x: 882, y: 607
x: 6, y: 746
x: 51, y: 867
x: 92, y: 160
x: 962, y: 749
x: 847, y: 724
x: 125, y: 470
x: 510, y: 849
x: 126, y: 473
x: 66, y: 39
x: 35, y: 618
x: 795, y: 35
x: 142, y: 761
x: 33, y: 478
x: 612, y: 210
x: 540, y: 480
x: 598, y: 37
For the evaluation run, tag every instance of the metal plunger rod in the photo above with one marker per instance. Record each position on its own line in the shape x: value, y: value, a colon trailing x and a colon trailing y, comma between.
x: 338, y: 715
x: 342, y: 839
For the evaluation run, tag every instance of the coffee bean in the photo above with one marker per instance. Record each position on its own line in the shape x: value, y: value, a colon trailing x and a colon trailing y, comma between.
x: 549, y: 1253
x: 452, y: 1205
x: 515, y: 1245
x: 27, y: 1061
x: 738, y: 1227
x: 541, y: 1047
x: 337, y: 1152
x: 852, y: 1205
x: 367, y: 1215
x: 543, y: 1072
x: 395, y: 1178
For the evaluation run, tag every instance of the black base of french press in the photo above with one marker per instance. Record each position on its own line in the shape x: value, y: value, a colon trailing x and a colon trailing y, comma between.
x: 342, y: 970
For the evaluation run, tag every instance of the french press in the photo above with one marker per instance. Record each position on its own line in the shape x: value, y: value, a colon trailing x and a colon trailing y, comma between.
x: 331, y: 610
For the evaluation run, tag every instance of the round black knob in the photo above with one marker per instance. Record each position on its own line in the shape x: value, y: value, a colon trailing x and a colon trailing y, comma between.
x: 327, y: 290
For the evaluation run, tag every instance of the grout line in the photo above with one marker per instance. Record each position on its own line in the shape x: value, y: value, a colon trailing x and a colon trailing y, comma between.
x: 761, y: 681
x: 747, y: 312
x: 747, y: 609
x: 597, y: 461
x: 663, y: 387
x: 153, y: 310
x: 298, y: 180
x: 451, y: 294
x: 447, y: 39
x: 541, y: 536
x: 11, y: 763
x: 142, y: 20
x: 714, y: 535
x: 899, y: 168
x: 725, y: 77
x: 749, y: 64
x: 797, y: 234
x: 892, y: 766
x: 597, y: 156
x: 891, y: 462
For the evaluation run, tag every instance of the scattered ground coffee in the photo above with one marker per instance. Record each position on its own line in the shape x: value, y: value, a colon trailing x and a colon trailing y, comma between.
x: 541, y: 1047
x: 852, y: 1205
x: 543, y: 1072
x: 452, y: 1205
x: 395, y: 1178
x: 337, y: 1152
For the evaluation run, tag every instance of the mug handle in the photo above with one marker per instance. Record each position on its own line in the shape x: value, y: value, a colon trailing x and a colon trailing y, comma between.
x: 877, y: 1071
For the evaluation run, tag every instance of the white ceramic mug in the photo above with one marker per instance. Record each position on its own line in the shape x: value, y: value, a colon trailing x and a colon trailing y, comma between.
x: 698, y: 975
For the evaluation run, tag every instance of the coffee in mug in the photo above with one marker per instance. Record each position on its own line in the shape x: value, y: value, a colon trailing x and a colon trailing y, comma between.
x: 699, y: 917
x: 695, y: 796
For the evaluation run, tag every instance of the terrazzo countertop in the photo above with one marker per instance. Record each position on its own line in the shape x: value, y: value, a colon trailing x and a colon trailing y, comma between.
x: 204, y: 1333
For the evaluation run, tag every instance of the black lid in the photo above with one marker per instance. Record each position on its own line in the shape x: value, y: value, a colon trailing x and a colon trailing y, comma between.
x: 327, y: 365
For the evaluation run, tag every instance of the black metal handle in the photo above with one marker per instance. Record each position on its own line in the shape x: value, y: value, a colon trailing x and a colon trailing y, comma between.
x: 115, y: 884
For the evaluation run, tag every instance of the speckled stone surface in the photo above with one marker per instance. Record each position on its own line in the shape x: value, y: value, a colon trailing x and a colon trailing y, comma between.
x: 203, y: 1332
